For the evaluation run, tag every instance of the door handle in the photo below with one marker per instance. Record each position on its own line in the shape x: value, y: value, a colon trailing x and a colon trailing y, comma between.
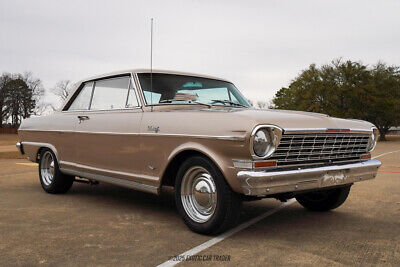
x: 83, y: 118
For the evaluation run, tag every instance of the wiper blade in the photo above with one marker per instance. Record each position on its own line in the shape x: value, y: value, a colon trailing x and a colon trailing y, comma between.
x: 228, y: 102
x: 189, y: 101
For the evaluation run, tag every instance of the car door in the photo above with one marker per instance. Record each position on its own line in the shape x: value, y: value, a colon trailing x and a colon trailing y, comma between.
x: 107, y: 134
x: 67, y: 121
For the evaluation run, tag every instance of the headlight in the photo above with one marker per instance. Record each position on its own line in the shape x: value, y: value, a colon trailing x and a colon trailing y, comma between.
x: 264, y: 140
x: 373, y: 139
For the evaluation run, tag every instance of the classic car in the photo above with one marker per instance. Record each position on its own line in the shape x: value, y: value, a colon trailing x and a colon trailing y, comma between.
x: 145, y: 129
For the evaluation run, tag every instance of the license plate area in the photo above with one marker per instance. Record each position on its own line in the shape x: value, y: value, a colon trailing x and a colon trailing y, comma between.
x: 333, y: 178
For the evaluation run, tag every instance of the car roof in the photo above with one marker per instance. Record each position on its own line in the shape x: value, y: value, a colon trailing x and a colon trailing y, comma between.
x: 115, y: 73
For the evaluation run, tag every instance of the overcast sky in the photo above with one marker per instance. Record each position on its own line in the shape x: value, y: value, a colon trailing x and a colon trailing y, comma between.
x: 259, y: 45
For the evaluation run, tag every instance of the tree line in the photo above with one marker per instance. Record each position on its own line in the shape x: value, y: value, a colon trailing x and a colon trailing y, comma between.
x: 346, y: 89
x: 22, y: 95
x: 19, y: 97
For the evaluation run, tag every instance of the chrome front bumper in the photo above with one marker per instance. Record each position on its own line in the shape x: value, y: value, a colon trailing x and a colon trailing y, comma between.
x: 262, y: 183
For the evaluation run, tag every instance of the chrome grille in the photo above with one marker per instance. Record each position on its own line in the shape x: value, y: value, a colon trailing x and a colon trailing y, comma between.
x: 320, y: 148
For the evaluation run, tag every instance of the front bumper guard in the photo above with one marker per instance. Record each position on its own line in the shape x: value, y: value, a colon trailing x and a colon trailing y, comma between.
x: 263, y: 183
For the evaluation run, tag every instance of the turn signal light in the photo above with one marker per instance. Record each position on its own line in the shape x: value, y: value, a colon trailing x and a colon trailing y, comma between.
x: 264, y: 164
x: 366, y: 156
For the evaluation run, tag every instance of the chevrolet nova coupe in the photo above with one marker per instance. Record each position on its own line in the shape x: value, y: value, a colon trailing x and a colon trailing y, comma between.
x: 145, y: 130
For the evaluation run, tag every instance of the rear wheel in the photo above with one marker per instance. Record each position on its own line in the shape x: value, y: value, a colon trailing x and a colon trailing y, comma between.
x: 203, y: 198
x: 324, y: 200
x: 51, y: 179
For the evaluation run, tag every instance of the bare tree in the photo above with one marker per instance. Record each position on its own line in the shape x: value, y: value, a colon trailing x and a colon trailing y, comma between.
x: 4, y: 79
x: 35, y: 85
x: 63, y: 89
x: 43, y: 108
x: 262, y: 104
x: 19, y: 95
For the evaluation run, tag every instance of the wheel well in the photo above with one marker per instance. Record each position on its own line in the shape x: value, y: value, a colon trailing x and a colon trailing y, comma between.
x: 39, y: 152
x: 168, y: 178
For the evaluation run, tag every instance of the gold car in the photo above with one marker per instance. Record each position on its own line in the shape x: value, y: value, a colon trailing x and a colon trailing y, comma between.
x: 145, y: 130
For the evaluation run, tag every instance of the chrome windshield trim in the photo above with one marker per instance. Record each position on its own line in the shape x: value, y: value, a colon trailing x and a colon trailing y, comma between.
x: 139, y: 90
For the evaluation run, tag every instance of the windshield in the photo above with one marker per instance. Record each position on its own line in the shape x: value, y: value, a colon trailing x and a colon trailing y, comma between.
x: 181, y: 89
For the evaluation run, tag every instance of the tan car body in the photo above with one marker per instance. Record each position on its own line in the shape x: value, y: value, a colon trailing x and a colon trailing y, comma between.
x: 135, y: 147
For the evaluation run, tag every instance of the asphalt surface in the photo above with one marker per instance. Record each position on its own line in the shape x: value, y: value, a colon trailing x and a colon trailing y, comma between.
x: 108, y: 225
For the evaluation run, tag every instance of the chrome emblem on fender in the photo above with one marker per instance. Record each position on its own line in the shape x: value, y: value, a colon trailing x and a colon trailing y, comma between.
x: 155, y: 129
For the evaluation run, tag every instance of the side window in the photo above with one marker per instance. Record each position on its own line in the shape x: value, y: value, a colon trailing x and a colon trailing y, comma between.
x: 132, y: 100
x: 110, y: 94
x: 82, y: 101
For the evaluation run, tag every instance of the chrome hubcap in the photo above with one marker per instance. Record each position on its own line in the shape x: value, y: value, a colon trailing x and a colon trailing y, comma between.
x: 47, y: 168
x: 198, y: 194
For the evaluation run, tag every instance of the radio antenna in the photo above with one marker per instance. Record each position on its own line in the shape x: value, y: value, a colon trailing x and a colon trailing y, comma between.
x: 151, y: 64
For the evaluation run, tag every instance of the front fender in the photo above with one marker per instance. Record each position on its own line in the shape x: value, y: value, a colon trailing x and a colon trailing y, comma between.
x: 223, y: 162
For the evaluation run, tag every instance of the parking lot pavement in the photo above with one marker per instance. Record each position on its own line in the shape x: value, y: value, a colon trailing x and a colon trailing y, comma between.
x: 108, y: 225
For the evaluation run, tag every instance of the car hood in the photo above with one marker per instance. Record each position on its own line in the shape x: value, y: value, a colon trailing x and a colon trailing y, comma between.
x: 238, y: 122
x: 288, y: 119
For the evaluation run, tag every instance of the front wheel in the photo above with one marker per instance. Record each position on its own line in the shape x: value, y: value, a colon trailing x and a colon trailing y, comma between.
x: 51, y: 178
x: 203, y: 198
x: 324, y: 200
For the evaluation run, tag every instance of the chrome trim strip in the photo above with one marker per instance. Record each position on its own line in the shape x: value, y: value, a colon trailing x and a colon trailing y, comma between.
x: 375, y: 135
x: 243, y: 164
x: 139, y: 88
x: 132, y: 175
x: 91, y: 96
x: 229, y: 138
x: 262, y: 183
x: 324, y: 130
x: 39, y: 144
x: 20, y: 148
x: 113, y: 180
x: 180, y: 73
x: 100, y: 110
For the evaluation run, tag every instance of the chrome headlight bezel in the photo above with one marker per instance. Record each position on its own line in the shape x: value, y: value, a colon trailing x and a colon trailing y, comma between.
x: 274, y: 135
x: 373, y: 139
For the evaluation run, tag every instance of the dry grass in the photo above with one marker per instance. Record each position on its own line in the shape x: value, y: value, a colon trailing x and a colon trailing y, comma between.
x: 8, y: 139
x: 392, y: 138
